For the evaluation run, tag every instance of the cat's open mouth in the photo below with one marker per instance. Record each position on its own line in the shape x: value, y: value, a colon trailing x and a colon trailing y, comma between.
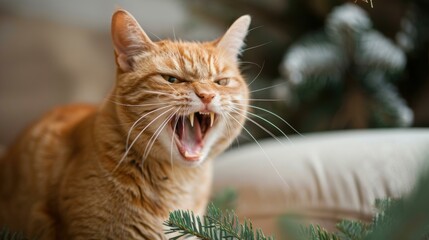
x: 190, y: 131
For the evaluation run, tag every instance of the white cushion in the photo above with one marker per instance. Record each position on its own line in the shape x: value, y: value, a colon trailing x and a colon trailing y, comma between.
x: 325, y: 176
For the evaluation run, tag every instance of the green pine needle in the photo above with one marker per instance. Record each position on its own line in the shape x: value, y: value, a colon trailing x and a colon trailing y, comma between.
x: 317, y: 232
x: 215, y: 225
x: 5, y: 234
x: 353, y: 230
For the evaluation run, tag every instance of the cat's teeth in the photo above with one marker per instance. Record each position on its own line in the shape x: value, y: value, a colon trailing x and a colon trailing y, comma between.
x: 191, y: 118
x: 211, y: 119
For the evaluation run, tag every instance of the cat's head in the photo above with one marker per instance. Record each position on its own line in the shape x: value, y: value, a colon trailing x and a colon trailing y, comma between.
x: 181, y: 101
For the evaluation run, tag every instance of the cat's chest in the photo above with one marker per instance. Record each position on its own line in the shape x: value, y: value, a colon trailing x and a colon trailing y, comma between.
x: 186, y: 194
x: 195, y: 195
x: 194, y: 192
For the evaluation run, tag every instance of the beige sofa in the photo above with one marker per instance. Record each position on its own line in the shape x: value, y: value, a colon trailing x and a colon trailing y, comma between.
x: 325, y: 177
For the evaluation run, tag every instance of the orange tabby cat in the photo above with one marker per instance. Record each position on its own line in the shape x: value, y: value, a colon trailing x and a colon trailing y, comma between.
x: 115, y: 171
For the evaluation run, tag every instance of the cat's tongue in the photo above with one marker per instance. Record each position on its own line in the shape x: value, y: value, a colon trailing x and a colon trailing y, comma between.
x: 190, y: 138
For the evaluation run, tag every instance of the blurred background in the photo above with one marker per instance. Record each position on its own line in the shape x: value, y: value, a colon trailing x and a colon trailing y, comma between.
x: 319, y: 64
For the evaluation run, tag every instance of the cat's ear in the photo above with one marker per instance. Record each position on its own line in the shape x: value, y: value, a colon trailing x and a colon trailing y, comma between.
x: 129, y: 39
x: 232, y: 41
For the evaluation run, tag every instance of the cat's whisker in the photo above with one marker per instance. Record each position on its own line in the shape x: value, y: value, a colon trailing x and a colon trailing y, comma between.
x: 257, y: 75
x: 252, y: 63
x: 138, y: 120
x: 228, y: 127
x: 262, y: 149
x: 138, y: 105
x: 158, y: 93
x: 138, y: 136
x: 266, y: 88
x: 254, y: 28
x: 275, y: 115
x: 174, y: 33
x: 171, y: 146
x: 156, y: 36
x: 265, y: 120
x: 173, y: 89
x: 155, y: 135
x: 263, y: 100
x: 259, y: 125
x: 260, y: 45
x: 116, y: 124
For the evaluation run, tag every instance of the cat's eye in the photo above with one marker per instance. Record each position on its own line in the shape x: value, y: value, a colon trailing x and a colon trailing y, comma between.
x: 223, y: 81
x: 170, y: 79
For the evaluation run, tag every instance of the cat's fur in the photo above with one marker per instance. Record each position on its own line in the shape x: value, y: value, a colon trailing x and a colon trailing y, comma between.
x: 71, y: 175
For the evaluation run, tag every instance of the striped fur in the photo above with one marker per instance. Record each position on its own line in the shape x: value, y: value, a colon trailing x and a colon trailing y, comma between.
x: 89, y: 172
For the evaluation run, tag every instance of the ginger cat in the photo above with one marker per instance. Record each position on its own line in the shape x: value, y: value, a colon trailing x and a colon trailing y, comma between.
x: 115, y: 171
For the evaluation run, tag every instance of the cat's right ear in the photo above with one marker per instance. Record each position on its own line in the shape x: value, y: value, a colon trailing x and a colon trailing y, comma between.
x: 129, y: 39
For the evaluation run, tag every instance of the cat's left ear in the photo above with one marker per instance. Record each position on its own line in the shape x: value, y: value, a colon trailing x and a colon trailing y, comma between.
x: 129, y: 39
x: 232, y: 41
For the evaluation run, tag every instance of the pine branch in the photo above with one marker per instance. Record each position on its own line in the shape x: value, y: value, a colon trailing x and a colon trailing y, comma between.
x: 353, y: 230
x: 5, y: 234
x: 229, y: 223
x: 185, y: 223
x: 318, y: 233
x: 370, y: 1
x: 388, y: 108
x: 293, y: 227
x: 378, y: 53
x: 406, y: 218
x: 215, y: 225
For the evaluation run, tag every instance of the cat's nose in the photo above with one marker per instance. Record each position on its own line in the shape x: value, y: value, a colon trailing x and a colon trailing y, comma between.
x: 206, y: 97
